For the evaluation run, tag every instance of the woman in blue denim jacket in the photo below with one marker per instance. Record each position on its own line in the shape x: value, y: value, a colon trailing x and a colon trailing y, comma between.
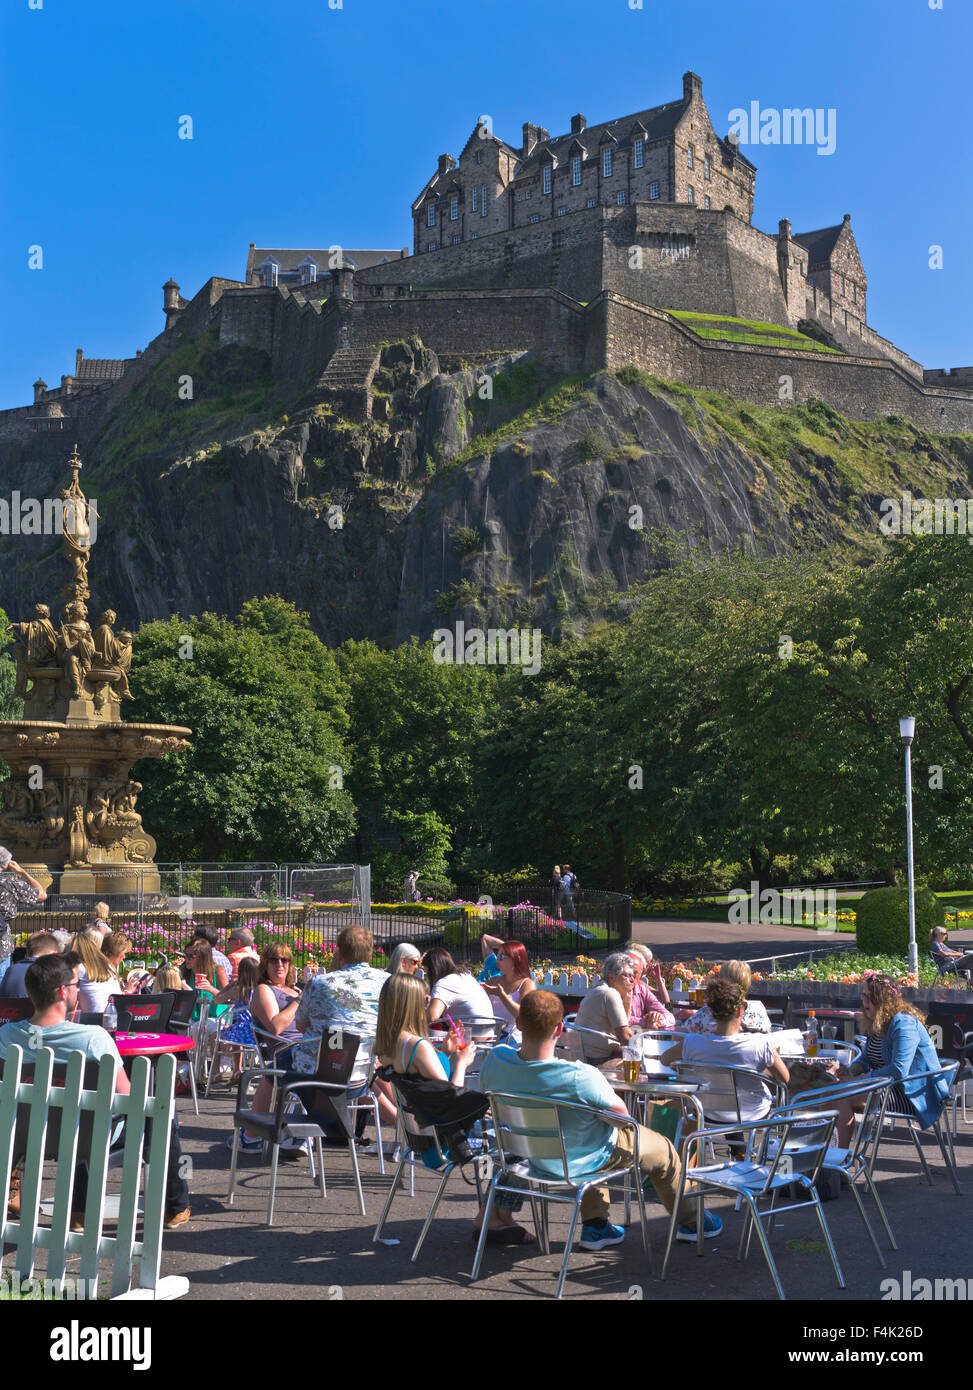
x: 900, y: 1047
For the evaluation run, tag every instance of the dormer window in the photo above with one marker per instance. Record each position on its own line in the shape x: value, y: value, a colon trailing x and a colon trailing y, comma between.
x: 431, y: 215
x: 576, y: 170
x: 639, y: 153
x: 270, y: 271
x: 454, y: 209
x: 606, y: 164
x: 547, y: 178
x: 308, y: 270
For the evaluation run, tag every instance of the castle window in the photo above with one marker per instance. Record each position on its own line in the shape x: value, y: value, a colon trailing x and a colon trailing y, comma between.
x: 639, y: 153
x: 536, y: 217
x: 854, y: 293
x: 457, y: 240
x: 620, y: 199
x: 431, y: 215
x: 478, y: 157
x: 454, y: 209
x: 430, y: 246
x: 562, y: 212
x: 592, y: 202
x: 706, y: 167
x: 842, y: 284
x: 576, y: 170
x: 520, y: 197
x: 547, y: 178
x: 706, y: 202
x: 691, y: 156
x: 653, y: 190
x: 309, y: 271
x: 692, y: 194
x: 476, y: 194
x: 810, y: 282
x: 606, y: 165
x: 474, y: 236
x: 527, y: 195
x: 483, y: 202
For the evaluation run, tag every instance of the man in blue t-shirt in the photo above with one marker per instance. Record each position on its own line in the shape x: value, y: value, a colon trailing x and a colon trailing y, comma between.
x: 52, y: 985
x: 591, y: 1143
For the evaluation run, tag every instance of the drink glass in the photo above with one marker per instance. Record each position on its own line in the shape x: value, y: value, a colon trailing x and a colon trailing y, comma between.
x: 631, y: 1065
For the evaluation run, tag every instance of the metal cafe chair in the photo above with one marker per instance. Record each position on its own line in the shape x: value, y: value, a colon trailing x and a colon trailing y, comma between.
x: 858, y: 1161
x: 589, y: 1042
x: 942, y: 1132
x: 734, y: 1091
x: 767, y: 1170
x: 415, y: 1140
x: 531, y: 1128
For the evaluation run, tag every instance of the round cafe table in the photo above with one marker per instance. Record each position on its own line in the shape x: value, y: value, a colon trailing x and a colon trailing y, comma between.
x: 152, y: 1044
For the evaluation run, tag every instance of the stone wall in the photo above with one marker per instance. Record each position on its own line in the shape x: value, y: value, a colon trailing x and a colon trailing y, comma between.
x: 860, y: 388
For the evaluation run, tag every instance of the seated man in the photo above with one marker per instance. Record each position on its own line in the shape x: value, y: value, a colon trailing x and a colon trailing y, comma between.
x: 606, y: 1009
x: 346, y: 998
x: 946, y: 959
x: 591, y: 1144
x: 52, y: 984
x: 12, y: 986
x: 239, y: 946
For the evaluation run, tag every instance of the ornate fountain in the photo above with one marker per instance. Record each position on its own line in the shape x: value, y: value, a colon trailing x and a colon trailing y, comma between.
x: 68, y: 810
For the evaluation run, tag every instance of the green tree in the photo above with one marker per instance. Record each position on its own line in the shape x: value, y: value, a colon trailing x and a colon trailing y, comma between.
x: 264, y: 775
x: 415, y: 730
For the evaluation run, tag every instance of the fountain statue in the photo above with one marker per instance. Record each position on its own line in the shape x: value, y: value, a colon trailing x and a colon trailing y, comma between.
x: 68, y: 809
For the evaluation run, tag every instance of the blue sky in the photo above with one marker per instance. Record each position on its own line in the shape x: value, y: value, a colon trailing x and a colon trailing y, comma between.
x: 315, y: 125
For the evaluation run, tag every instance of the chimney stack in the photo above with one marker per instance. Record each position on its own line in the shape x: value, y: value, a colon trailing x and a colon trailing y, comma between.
x: 578, y: 124
x: 530, y: 138
x: 847, y: 219
x: 40, y: 386
x: 446, y: 162
x: 692, y: 85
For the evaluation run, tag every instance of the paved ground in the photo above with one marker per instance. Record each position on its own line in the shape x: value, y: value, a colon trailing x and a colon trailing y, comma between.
x: 323, y: 1248
x: 673, y: 939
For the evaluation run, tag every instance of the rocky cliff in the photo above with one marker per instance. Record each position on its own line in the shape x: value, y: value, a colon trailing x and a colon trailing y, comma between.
x: 492, y: 494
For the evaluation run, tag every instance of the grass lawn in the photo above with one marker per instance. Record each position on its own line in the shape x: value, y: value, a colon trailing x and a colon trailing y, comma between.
x: 724, y: 328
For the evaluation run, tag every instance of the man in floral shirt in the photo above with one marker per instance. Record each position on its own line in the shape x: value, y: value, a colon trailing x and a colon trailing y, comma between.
x: 18, y: 889
x: 346, y: 999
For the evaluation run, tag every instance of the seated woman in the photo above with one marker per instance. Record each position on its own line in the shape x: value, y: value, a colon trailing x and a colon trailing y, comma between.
x: 650, y: 997
x: 97, y: 981
x: 199, y: 968
x: 489, y: 946
x: 405, y: 959
x: 402, y: 1046
x: 238, y: 1033
x: 453, y: 993
x: 167, y: 979
x: 273, y: 1006
x: 115, y: 947
x: 944, y: 956
x: 606, y: 1009
x: 508, y: 992
x: 730, y: 1046
x: 755, y: 1016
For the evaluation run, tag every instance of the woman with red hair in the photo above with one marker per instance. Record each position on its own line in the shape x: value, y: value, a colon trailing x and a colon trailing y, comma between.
x: 514, y: 984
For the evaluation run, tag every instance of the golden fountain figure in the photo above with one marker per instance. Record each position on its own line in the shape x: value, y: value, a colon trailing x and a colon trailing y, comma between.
x: 68, y: 810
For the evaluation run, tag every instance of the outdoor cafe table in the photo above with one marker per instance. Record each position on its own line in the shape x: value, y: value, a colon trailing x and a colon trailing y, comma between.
x: 151, y: 1044
x: 845, y: 1017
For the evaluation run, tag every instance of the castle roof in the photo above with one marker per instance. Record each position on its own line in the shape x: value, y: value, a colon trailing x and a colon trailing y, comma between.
x: 289, y: 259
x: 819, y: 244
x: 658, y: 123
x: 101, y: 368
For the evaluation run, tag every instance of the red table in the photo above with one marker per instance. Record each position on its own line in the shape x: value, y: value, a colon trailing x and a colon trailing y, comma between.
x: 152, y: 1044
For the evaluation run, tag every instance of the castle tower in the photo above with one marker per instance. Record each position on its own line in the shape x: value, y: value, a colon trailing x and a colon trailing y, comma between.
x: 40, y: 386
x: 171, y: 301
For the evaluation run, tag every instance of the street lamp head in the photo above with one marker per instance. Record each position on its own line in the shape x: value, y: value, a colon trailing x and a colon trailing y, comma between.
x: 907, y: 729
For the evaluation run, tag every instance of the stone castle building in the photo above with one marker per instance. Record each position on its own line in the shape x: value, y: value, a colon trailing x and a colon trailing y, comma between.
x: 588, y: 248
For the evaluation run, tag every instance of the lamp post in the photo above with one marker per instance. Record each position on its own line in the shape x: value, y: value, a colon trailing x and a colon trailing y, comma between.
x: 907, y: 731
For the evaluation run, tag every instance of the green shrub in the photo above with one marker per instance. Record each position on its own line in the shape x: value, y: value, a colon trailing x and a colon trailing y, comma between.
x: 882, y: 920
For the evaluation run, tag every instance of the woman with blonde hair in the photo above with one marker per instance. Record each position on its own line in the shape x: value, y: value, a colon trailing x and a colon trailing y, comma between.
x: 167, y: 978
x: 115, y: 947
x: 899, y: 1046
x: 97, y: 982
x: 755, y: 1016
